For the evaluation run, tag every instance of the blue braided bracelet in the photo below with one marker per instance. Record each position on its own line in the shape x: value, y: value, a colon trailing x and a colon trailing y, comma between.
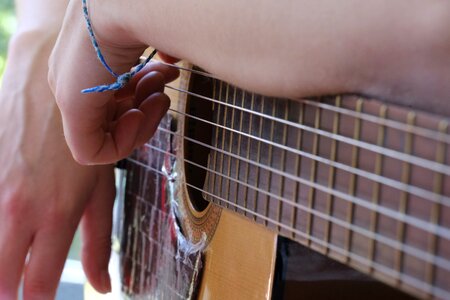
x: 121, y: 79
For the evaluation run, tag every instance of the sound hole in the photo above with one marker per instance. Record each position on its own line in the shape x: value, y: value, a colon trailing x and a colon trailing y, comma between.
x: 198, y: 131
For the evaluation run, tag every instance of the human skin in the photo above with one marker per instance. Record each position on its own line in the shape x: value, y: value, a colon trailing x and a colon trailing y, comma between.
x: 395, y: 50
x: 43, y: 192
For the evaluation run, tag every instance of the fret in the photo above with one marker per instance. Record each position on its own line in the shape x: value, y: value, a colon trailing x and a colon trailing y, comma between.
x: 441, y: 148
x: 212, y: 157
x: 143, y: 272
x: 282, y: 165
x: 353, y: 178
x: 222, y: 144
x: 128, y: 238
x: 269, y: 163
x: 239, y: 147
x: 247, y: 165
x: 332, y: 175
x: 312, y: 178
x: 298, y: 159
x: 133, y: 250
x: 258, y: 160
x: 153, y: 228
x: 377, y: 186
x: 404, y: 198
x: 128, y: 251
x: 230, y: 146
x: 215, y: 139
x: 224, y: 158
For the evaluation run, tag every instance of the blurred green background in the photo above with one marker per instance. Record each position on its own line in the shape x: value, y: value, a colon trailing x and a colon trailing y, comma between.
x: 7, y: 26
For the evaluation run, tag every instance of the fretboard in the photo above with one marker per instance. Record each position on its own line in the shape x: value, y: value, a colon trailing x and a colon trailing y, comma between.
x: 361, y: 181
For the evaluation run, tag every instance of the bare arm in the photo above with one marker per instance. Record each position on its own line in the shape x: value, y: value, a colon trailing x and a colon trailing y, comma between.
x: 43, y: 191
x: 394, y: 50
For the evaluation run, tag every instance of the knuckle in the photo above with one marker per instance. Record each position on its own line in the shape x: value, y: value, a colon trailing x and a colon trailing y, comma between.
x: 39, y: 288
x: 14, y: 207
x: 56, y: 217
x: 61, y: 218
x: 60, y: 100
x: 51, y: 73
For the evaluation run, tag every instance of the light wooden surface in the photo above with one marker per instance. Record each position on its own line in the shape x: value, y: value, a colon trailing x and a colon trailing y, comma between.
x: 240, y: 261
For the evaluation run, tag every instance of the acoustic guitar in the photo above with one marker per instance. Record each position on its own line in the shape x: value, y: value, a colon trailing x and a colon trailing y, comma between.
x: 230, y: 178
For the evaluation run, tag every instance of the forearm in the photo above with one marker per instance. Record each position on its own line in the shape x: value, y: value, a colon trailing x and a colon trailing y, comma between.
x: 42, y: 14
x: 305, y: 48
x: 39, y: 23
x: 25, y: 94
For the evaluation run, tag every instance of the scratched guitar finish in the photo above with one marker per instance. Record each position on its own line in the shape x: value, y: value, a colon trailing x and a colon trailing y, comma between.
x: 361, y: 181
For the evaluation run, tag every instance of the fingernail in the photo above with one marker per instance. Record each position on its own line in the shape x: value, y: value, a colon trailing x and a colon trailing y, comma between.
x: 106, y: 282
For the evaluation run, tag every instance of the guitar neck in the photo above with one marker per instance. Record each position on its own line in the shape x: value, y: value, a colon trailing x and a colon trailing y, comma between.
x: 361, y: 181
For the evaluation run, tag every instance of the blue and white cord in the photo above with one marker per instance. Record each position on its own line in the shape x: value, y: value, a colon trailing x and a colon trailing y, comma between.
x: 121, y: 79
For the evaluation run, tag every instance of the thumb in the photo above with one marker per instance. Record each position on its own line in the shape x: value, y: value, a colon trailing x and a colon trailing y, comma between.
x: 96, y: 227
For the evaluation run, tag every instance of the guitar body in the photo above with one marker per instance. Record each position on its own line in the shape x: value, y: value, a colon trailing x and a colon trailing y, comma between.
x: 229, y: 172
x: 229, y: 269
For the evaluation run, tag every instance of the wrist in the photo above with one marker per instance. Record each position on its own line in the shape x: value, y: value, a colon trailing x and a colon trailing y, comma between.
x: 27, y: 65
x: 40, y: 15
x: 114, y: 25
x: 34, y: 38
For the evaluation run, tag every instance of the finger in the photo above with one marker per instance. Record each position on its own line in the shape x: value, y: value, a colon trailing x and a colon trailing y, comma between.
x: 170, y: 74
x: 154, y: 82
x: 15, y: 240
x: 126, y: 131
x: 154, y: 107
x: 48, y: 254
x: 123, y: 106
x: 117, y: 143
x: 96, y: 233
x: 149, y: 84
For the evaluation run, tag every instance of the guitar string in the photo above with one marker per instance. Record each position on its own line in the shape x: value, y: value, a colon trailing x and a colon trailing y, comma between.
x: 309, y: 210
x: 407, y: 279
x: 413, y: 190
x: 147, y: 267
x: 416, y: 130
x: 417, y: 191
x: 408, y: 158
x: 413, y: 221
x: 416, y: 252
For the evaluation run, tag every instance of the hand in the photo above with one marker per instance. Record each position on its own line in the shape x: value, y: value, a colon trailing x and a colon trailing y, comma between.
x: 43, y: 191
x: 103, y: 127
